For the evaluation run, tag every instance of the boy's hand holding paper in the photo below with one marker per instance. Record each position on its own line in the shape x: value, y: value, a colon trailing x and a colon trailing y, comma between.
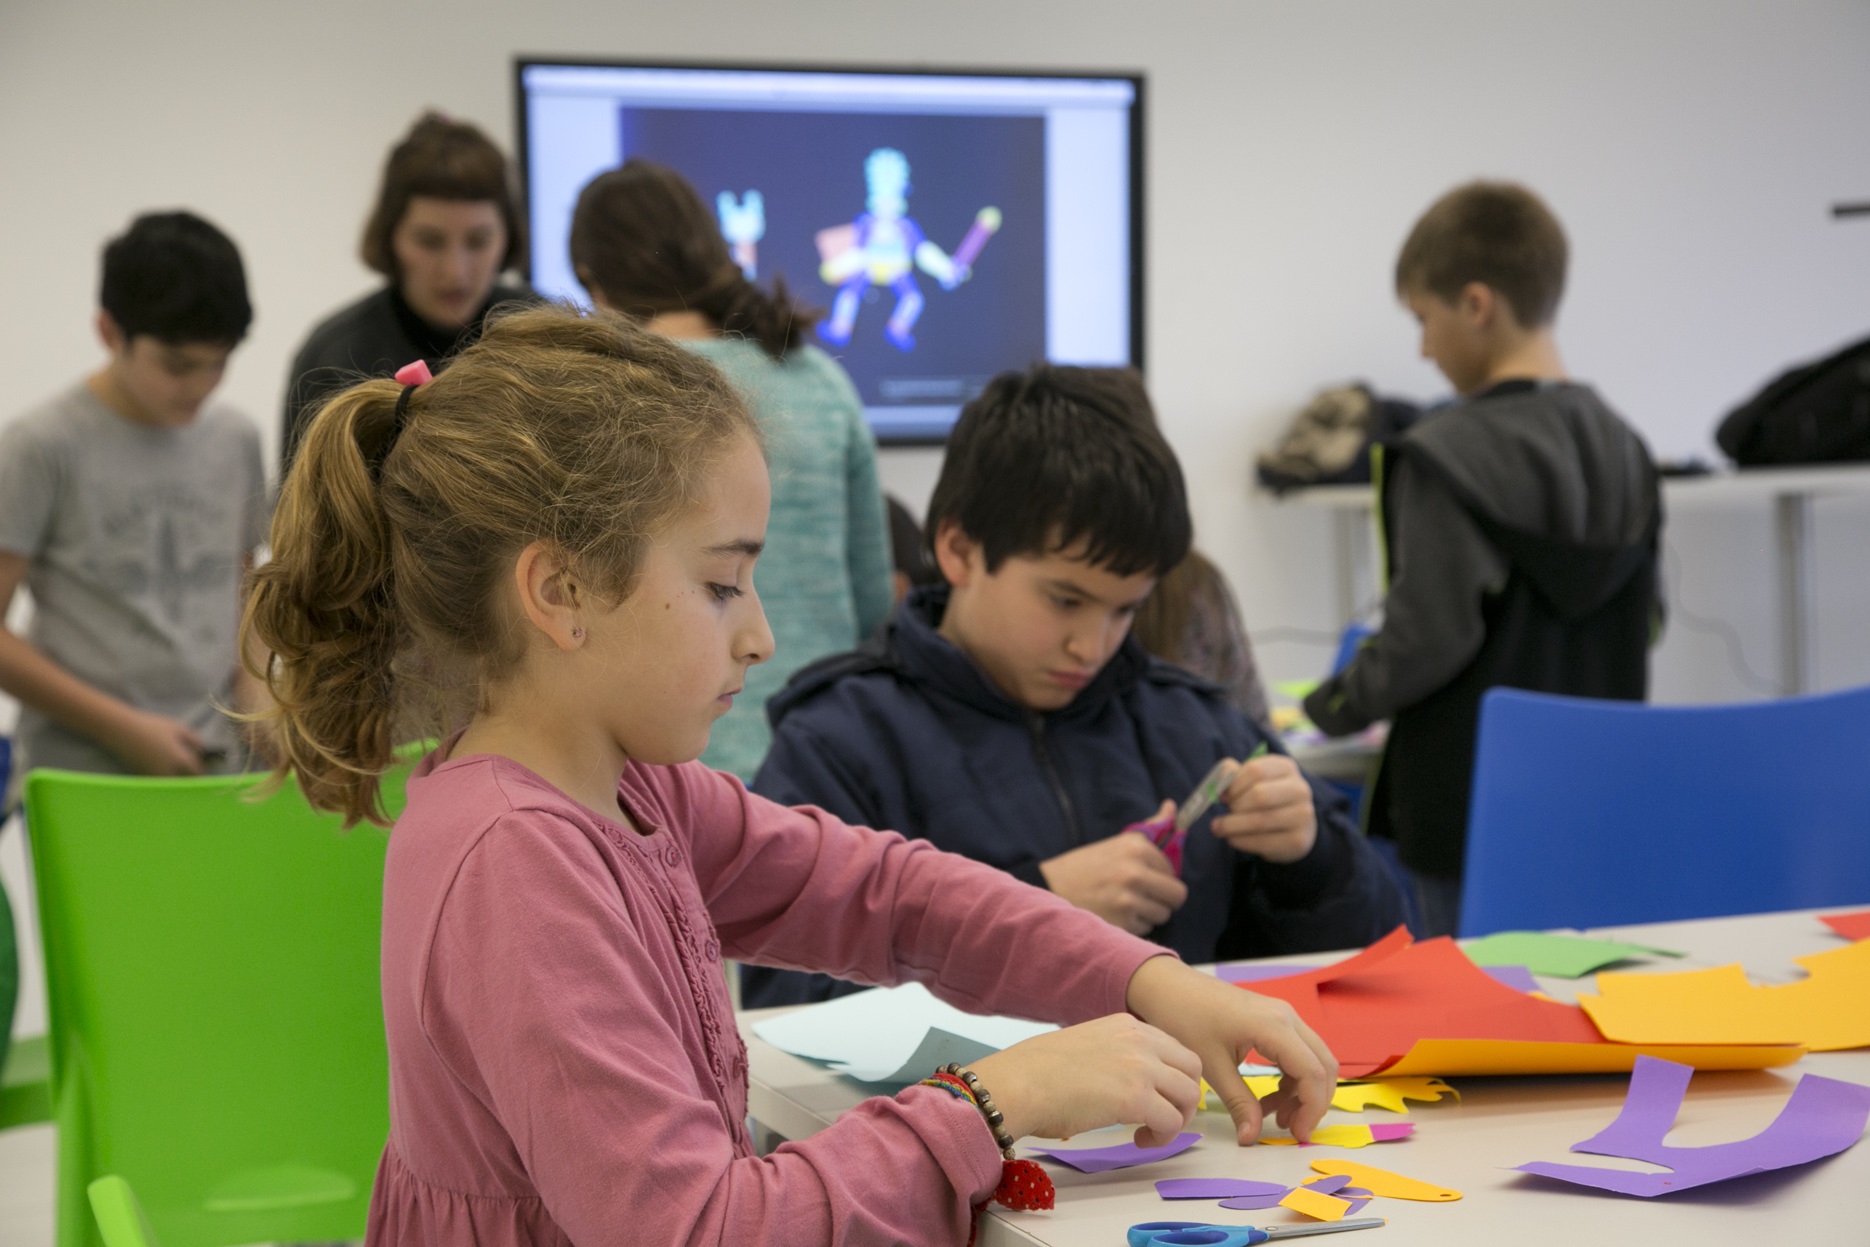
x: 1269, y: 810
x: 1123, y: 879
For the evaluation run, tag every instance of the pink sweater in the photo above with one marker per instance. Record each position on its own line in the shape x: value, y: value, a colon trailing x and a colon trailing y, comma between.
x: 564, y: 1065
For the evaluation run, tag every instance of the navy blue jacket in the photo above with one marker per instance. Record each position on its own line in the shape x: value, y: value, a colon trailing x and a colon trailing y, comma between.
x: 907, y: 734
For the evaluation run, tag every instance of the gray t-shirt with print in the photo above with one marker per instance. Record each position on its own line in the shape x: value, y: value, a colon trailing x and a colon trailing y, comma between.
x: 136, y: 537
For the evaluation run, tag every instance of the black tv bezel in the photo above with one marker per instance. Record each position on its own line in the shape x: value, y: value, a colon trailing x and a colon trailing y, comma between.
x: 1138, y: 154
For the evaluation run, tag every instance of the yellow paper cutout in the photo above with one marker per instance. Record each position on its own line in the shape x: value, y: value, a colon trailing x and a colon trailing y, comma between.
x: 1331, y: 1136
x: 1384, y: 1183
x: 1826, y: 1011
x: 1453, y: 1058
x: 1355, y: 1097
x: 1315, y: 1204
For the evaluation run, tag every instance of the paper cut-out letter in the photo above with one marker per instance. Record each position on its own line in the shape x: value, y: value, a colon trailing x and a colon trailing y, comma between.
x: 1823, y: 1117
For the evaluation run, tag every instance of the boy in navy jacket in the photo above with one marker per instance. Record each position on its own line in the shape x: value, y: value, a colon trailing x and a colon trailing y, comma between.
x: 1007, y: 715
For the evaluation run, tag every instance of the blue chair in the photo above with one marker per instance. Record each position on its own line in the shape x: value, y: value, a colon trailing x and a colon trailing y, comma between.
x: 1602, y: 813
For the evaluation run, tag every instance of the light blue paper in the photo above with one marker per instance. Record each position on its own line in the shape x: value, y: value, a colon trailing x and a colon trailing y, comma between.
x: 892, y: 1035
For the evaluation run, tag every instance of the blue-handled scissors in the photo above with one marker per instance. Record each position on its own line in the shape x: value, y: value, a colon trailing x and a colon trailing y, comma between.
x: 1205, y: 1234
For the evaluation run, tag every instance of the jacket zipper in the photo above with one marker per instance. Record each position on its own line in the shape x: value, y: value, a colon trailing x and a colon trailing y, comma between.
x: 1036, y: 725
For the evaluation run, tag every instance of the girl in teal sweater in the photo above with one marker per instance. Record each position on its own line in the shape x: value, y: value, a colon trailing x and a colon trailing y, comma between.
x: 645, y: 244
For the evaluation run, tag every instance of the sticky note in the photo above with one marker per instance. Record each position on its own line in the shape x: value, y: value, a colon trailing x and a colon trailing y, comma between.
x: 1315, y: 1204
x: 1562, y: 956
x: 1823, y: 1117
x: 1383, y: 1183
x: 1827, y: 1010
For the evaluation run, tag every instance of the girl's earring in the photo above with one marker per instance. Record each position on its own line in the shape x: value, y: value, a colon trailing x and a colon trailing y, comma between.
x: 577, y: 634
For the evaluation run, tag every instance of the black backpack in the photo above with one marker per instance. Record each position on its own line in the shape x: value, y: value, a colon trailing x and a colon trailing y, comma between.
x: 1329, y: 441
x: 1816, y: 413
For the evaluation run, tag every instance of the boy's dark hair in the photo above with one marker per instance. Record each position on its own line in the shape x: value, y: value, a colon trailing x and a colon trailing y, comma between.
x: 1053, y: 456
x: 442, y: 159
x: 1497, y: 233
x: 176, y: 278
x: 643, y: 236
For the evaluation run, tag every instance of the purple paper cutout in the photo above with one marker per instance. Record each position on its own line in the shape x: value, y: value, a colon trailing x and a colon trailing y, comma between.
x: 1256, y: 1203
x: 1119, y: 1156
x: 1390, y: 1131
x: 1822, y: 1118
x: 1519, y: 978
x: 1218, y: 1188
x: 1338, y: 1185
x: 1255, y: 974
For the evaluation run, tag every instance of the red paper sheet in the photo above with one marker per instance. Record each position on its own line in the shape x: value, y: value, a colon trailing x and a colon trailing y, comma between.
x: 1372, y: 1008
x: 1850, y: 926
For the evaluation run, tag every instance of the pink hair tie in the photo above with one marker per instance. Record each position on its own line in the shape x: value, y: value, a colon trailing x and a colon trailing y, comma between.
x: 414, y: 373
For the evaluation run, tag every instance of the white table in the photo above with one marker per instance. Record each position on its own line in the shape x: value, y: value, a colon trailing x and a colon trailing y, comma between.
x: 1470, y: 1145
x: 1791, y: 491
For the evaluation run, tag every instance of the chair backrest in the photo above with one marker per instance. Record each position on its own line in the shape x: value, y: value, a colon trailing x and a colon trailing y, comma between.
x: 120, y: 1218
x: 1600, y: 813
x: 216, y: 1019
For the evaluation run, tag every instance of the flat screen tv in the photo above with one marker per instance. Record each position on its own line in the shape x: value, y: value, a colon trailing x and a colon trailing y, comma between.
x: 950, y: 224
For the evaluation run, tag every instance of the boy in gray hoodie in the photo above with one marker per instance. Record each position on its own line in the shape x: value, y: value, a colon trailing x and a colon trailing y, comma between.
x: 1521, y: 528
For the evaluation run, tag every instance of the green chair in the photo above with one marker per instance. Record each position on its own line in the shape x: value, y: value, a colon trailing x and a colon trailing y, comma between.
x: 216, y: 1023
x: 120, y: 1219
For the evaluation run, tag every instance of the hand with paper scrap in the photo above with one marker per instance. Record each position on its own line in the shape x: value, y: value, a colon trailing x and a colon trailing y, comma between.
x: 1270, y: 811
x: 1095, y: 1074
x: 1221, y: 1023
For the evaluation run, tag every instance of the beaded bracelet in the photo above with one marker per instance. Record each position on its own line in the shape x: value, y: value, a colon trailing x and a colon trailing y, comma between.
x: 1023, y: 1184
x: 996, y: 1122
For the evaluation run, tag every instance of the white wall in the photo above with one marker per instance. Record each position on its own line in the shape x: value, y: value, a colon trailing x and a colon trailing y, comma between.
x: 1691, y: 147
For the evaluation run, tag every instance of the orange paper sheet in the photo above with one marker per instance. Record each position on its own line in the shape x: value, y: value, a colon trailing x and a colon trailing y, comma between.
x: 1371, y: 1008
x: 1826, y: 1011
x: 1456, y: 1058
x: 1851, y: 926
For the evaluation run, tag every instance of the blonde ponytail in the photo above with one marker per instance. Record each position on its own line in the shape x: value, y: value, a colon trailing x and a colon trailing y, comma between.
x: 389, y: 544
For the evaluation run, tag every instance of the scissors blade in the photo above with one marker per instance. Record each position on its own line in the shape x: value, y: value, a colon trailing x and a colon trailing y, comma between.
x: 1276, y: 1232
x: 1206, y: 793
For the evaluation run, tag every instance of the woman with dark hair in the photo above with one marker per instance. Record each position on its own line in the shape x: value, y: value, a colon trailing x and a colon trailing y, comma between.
x: 445, y: 226
x: 644, y: 244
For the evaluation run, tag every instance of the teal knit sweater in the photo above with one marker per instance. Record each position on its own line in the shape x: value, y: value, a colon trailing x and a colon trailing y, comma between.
x: 825, y: 576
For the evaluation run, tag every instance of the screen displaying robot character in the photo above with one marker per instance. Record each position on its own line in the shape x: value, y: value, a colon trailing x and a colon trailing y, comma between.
x: 946, y: 227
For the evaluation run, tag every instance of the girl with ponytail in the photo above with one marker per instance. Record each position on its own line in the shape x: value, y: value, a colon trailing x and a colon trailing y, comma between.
x: 557, y: 535
x: 644, y: 244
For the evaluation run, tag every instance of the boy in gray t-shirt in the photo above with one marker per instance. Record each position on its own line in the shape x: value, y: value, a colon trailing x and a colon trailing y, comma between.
x: 132, y: 511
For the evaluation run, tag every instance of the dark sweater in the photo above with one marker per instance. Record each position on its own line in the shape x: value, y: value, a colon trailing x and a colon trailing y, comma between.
x: 1520, y: 531
x: 906, y: 734
x: 373, y: 337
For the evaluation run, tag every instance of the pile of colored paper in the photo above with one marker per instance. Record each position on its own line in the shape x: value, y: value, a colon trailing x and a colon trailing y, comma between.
x: 1402, y: 1007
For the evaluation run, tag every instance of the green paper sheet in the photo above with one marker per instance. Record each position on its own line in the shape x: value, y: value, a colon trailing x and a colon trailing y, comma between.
x: 1562, y: 956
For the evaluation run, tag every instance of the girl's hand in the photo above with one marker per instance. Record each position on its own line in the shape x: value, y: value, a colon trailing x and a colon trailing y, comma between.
x: 1085, y: 1077
x: 1221, y: 1023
